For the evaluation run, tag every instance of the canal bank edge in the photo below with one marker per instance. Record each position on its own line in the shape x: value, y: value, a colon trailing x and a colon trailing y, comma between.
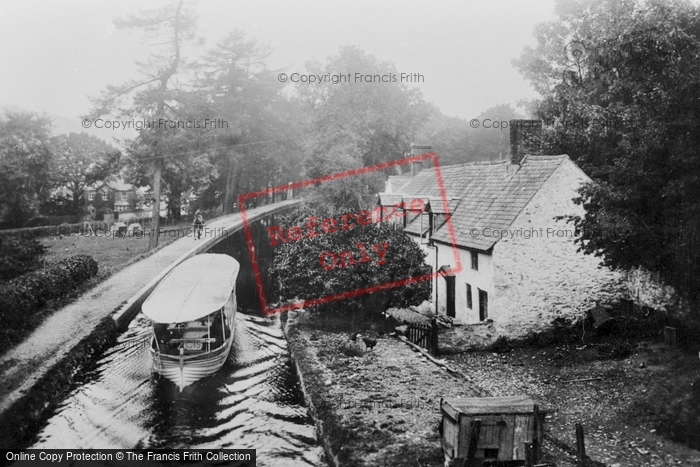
x: 27, y: 411
x: 311, y: 382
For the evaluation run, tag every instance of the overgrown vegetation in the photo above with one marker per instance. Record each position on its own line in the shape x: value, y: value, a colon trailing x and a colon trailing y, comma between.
x: 619, y: 85
x: 19, y: 255
x: 672, y: 409
x: 615, y: 338
x: 25, y: 296
x: 682, y: 423
x: 377, y: 254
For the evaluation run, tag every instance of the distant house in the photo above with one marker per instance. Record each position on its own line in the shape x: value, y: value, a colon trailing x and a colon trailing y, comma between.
x: 118, y: 188
x: 519, y: 264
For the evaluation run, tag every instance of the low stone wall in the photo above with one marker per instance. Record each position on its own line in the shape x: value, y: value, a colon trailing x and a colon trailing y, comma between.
x: 646, y: 289
x: 304, y: 363
x: 27, y: 413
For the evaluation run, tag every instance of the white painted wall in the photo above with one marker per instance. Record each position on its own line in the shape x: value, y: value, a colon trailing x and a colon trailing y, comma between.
x: 481, y: 279
x: 540, y: 278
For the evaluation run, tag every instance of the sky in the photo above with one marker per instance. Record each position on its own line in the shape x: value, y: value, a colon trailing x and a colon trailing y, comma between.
x: 55, y: 55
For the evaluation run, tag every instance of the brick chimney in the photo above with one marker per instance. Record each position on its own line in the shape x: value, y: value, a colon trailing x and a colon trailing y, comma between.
x: 415, y: 151
x: 524, y: 139
x: 416, y: 167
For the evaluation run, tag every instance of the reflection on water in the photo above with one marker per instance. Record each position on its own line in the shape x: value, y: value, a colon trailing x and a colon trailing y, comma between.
x: 253, y: 402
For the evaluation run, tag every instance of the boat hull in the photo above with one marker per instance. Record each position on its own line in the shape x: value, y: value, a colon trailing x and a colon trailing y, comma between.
x: 184, y: 370
x: 190, y: 369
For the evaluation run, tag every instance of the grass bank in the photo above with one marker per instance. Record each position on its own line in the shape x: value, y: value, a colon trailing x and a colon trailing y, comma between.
x: 111, y: 254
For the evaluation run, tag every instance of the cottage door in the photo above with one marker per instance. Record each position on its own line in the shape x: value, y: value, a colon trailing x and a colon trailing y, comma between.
x: 483, y: 305
x: 450, y: 305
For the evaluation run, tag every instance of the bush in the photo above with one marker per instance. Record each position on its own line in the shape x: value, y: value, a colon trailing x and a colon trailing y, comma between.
x: 502, y: 345
x: 47, y: 230
x: 27, y: 294
x: 19, y: 255
x: 682, y: 421
x: 52, y: 220
x: 309, y: 274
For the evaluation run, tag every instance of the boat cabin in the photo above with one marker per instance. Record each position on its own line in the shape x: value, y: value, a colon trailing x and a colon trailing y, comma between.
x: 193, y: 337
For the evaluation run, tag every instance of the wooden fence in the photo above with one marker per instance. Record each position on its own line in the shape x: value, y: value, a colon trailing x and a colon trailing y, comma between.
x: 424, y: 335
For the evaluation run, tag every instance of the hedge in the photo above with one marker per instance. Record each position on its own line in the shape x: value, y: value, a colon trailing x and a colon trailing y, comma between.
x: 19, y: 255
x: 26, y: 295
x: 48, y: 230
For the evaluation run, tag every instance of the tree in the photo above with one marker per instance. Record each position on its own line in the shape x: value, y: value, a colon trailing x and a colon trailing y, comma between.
x: 491, y: 139
x: 156, y: 96
x: 257, y: 147
x: 620, y: 91
x: 81, y: 160
x: 354, y: 124
x: 25, y: 166
x: 456, y: 142
x: 313, y: 267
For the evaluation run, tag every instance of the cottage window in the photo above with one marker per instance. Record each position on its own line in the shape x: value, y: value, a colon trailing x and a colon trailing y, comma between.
x: 475, y: 260
x: 91, y: 195
x: 105, y: 196
x: 469, y: 296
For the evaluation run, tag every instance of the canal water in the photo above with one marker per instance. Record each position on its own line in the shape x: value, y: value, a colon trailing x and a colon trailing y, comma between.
x: 253, y: 402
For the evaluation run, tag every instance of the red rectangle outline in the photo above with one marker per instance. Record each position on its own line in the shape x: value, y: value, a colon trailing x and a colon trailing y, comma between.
x: 352, y: 293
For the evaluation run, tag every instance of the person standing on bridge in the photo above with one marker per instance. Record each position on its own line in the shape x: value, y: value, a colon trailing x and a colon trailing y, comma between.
x: 198, y: 225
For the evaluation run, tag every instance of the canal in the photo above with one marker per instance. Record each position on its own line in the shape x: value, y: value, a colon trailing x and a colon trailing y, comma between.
x: 254, y: 401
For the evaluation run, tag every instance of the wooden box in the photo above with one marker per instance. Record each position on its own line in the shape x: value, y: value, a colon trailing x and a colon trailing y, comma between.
x: 504, y: 425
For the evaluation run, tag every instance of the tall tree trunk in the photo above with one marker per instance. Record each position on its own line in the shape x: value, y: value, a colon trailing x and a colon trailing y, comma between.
x: 153, y: 241
x: 175, y: 199
x: 227, y: 208
x: 157, y: 161
x: 230, y: 183
x: 76, y: 199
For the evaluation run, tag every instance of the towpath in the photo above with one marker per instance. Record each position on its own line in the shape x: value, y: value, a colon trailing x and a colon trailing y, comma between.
x: 119, y: 295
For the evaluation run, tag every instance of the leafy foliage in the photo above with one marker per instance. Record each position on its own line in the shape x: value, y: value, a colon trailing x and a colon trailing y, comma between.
x: 27, y: 294
x: 19, y: 255
x: 301, y: 275
x: 25, y: 166
x: 620, y: 87
x: 80, y: 160
x: 258, y: 146
x: 456, y: 142
x: 157, y: 96
x: 351, y: 125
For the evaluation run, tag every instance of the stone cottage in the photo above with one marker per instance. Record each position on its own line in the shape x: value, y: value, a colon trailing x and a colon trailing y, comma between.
x: 510, y: 258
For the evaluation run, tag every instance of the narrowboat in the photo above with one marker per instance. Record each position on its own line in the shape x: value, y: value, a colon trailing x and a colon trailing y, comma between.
x: 193, y: 312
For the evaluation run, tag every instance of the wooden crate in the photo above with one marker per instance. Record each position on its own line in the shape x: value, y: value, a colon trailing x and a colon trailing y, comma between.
x: 505, y: 424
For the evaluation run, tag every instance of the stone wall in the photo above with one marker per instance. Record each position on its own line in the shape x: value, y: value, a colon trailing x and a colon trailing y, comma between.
x: 646, y: 289
x: 538, y: 274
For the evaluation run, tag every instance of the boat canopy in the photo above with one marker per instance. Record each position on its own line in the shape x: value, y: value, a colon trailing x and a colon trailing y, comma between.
x: 194, y: 289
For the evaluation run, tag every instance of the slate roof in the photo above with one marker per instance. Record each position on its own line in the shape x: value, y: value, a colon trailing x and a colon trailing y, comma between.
x: 396, y: 181
x: 491, y: 195
x: 116, y: 184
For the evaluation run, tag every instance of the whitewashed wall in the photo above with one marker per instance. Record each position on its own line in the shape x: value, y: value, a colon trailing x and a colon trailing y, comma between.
x: 540, y: 278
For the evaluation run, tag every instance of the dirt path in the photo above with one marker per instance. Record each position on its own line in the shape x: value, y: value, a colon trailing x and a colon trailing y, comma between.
x: 618, y: 401
x: 382, y: 408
